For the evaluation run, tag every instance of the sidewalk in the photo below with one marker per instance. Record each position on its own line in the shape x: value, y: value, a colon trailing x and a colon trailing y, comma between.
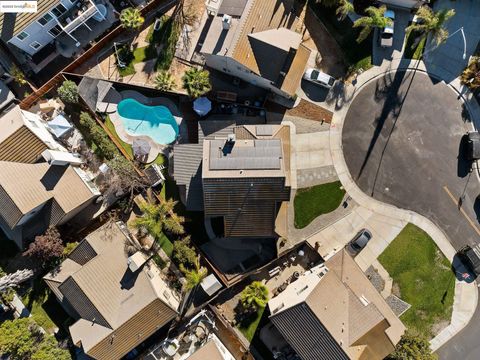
x: 466, y: 295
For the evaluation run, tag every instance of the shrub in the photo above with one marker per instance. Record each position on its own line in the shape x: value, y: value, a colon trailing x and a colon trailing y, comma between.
x: 18, y: 75
x: 46, y: 247
x: 68, y: 92
x: 184, y: 253
x: 196, y: 82
x: 254, y: 297
x: 105, y: 145
x: 164, y: 81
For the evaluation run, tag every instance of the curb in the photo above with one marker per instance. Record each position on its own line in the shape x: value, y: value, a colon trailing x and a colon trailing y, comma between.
x: 466, y: 294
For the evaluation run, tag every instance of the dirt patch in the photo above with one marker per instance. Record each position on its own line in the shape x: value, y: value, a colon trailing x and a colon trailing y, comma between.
x: 177, y: 69
x: 396, y: 290
x: 305, y: 109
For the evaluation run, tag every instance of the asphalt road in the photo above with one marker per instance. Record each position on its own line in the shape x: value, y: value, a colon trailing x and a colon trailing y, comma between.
x: 403, y: 143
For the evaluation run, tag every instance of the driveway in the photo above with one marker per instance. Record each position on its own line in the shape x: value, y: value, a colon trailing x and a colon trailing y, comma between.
x: 447, y: 58
x: 401, y: 141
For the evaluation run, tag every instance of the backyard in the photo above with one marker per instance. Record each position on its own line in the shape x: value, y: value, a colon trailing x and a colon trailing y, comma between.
x: 312, y: 202
x: 357, y: 55
x: 422, y: 277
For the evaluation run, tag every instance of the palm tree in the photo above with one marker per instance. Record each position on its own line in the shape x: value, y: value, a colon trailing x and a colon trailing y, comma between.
x: 471, y: 75
x: 131, y: 18
x: 344, y: 8
x: 374, y: 19
x: 431, y: 23
x: 254, y: 296
x: 194, y: 276
x: 164, y: 81
x: 157, y: 217
x: 197, y: 82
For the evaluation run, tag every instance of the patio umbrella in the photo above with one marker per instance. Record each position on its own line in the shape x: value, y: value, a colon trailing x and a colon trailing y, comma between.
x: 202, y: 106
x: 141, y: 147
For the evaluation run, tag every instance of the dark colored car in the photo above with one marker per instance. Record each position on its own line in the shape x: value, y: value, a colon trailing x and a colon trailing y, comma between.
x: 471, y: 258
x: 358, y: 242
x: 473, y: 146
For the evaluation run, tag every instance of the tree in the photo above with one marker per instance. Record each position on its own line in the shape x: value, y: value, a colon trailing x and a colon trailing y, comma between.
x: 196, y: 82
x: 254, y: 296
x: 471, y: 75
x: 18, y: 75
x: 69, y: 247
x: 195, y: 275
x: 68, y: 92
x: 344, y: 8
x: 123, y: 177
x: 21, y: 339
x: 184, y: 253
x: 375, y: 19
x: 431, y: 23
x: 164, y: 81
x: 46, y: 247
x: 412, y: 346
x: 131, y: 18
x: 14, y: 279
x: 159, y: 217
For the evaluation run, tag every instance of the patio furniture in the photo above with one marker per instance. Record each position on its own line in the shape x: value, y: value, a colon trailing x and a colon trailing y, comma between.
x: 275, y: 271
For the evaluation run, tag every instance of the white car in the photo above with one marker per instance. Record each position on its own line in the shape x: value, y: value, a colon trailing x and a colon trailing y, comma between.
x: 318, y: 77
x: 386, y: 35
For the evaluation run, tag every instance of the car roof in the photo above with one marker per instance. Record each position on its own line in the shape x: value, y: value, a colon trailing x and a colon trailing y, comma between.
x: 389, y: 14
x: 323, y: 77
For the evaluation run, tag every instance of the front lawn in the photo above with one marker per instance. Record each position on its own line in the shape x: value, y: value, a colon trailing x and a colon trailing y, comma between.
x: 312, y: 202
x: 248, y: 327
x: 424, y: 279
x: 357, y: 55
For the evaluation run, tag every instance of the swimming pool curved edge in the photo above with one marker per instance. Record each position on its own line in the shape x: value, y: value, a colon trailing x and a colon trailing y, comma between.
x: 154, y: 121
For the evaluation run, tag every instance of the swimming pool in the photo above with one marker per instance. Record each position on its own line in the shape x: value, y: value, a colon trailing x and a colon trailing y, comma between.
x: 156, y: 122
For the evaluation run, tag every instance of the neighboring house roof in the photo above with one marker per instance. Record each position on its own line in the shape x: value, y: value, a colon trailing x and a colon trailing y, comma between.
x: 13, y: 23
x: 335, y: 312
x: 117, y: 308
x: 24, y: 187
x: 208, y: 351
x: 17, y: 142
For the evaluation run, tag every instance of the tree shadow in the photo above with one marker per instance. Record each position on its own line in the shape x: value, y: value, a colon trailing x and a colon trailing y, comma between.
x: 463, y: 164
x: 476, y: 208
x: 462, y: 273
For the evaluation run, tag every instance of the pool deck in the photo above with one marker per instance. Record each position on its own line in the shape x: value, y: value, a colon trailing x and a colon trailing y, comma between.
x: 156, y: 148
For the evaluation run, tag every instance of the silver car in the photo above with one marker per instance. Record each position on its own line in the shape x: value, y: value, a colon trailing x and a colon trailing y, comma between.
x: 358, y: 242
x: 318, y: 77
x: 386, y: 34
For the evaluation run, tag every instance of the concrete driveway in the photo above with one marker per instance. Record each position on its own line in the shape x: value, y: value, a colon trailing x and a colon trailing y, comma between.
x: 447, y: 58
x: 402, y: 144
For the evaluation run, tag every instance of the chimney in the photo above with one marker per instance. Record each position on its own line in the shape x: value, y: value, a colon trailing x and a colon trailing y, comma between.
x: 226, y: 22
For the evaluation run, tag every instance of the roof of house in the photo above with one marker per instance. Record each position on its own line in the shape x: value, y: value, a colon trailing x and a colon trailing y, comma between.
x: 24, y: 187
x: 13, y: 23
x: 331, y: 310
x: 110, y: 299
x: 17, y: 142
x: 208, y: 351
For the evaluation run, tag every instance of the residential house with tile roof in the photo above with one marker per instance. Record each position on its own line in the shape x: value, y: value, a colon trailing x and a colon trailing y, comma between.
x: 334, y: 312
x: 258, y: 41
x: 116, y: 305
x: 34, y: 197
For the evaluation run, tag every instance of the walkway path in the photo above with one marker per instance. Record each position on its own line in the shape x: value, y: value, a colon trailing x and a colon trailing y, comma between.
x: 466, y: 295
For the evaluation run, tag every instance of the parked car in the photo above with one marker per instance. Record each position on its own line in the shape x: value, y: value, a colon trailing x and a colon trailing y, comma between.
x: 473, y: 145
x: 471, y: 258
x: 318, y: 77
x: 386, y: 34
x: 358, y: 242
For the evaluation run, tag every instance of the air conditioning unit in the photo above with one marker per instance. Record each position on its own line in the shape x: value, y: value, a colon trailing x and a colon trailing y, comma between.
x: 226, y: 22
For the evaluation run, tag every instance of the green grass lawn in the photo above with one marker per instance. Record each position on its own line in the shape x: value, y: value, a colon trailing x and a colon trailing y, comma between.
x: 357, y: 55
x: 312, y: 202
x: 412, y: 52
x: 248, y: 327
x: 139, y: 55
x: 166, y: 245
x: 424, y: 278
x: 127, y: 147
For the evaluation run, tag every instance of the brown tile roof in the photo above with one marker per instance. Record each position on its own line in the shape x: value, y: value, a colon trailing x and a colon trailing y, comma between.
x: 12, y: 24
x: 264, y: 15
x: 118, y: 309
x: 209, y: 351
x: 297, y: 68
x: 31, y: 185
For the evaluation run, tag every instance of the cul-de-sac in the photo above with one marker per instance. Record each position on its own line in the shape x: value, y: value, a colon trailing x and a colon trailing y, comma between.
x: 239, y: 179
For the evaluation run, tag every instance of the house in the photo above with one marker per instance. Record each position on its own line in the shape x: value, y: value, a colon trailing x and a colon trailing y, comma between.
x: 258, y: 41
x: 34, y: 197
x: 239, y: 175
x: 52, y: 27
x: 25, y: 136
x: 333, y: 312
x: 118, y: 301
x: 213, y: 349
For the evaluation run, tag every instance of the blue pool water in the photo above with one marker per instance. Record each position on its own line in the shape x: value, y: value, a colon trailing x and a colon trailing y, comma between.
x: 156, y: 122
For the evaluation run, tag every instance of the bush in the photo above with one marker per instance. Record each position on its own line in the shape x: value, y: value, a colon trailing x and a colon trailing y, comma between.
x: 412, y: 346
x: 196, y: 82
x: 105, y: 145
x: 168, y: 33
x: 68, y: 92
x: 164, y: 81
x: 184, y: 253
